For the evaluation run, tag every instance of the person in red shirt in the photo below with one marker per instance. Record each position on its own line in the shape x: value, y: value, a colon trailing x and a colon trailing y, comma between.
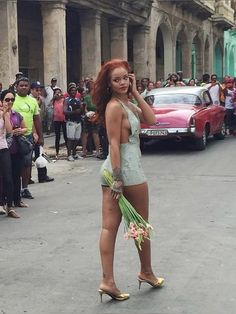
x: 58, y: 118
x: 72, y: 84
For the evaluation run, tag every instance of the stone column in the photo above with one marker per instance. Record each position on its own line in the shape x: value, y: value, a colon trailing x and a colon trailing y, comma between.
x: 186, y: 58
x: 91, y: 42
x: 118, y: 31
x: 9, y: 59
x: 140, y: 51
x: 54, y: 42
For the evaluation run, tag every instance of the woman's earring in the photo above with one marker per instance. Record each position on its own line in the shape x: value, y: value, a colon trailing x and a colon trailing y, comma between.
x: 109, y: 89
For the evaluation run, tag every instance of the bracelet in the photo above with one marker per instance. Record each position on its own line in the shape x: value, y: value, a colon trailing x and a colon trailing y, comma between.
x: 117, y: 175
x: 116, y: 189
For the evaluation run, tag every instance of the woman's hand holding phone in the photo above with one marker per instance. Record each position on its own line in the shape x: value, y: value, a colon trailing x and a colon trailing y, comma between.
x: 132, y: 79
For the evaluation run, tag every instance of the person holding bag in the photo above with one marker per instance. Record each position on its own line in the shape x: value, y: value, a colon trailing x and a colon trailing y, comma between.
x: 89, y: 126
x: 5, y: 159
x: 16, y: 151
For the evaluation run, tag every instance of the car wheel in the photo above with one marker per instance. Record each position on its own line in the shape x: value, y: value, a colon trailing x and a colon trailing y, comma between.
x: 221, y: 134
x: 200, y: 143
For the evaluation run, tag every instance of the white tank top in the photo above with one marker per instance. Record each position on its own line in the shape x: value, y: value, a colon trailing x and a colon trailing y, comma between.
x: 3, y: 141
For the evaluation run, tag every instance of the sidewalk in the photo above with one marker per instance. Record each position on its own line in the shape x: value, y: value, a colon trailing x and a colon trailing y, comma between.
x: 49, y: 146
x: 62, y: 166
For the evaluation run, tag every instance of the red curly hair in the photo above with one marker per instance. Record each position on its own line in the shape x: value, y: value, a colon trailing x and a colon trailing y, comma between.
x: 102, y: 93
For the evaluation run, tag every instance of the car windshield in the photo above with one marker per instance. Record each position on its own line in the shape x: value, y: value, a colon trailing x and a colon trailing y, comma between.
x: 162, y: 100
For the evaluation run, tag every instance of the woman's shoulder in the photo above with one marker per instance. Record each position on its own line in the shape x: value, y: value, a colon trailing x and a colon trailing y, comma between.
x: 15, y: 113
x: 114, y: 103
x: 114, y: 108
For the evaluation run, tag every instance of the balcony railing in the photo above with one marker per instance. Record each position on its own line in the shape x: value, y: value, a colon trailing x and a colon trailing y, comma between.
x: 210, y: 4
x: 224, y: 14
x: 141, y: 5
x: 203, y: 9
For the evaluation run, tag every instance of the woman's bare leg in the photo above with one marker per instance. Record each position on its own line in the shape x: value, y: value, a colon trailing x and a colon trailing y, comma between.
x: 84, y: 143
x: 138, y: 197
x: 96, y: 142
x: 111, y: 218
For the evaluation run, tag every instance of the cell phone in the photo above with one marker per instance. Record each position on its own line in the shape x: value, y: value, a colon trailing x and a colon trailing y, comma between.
x: 130, y: 87
x: 130, y: 84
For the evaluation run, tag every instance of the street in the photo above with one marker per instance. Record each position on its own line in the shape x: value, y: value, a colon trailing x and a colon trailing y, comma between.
x: 50, y: 261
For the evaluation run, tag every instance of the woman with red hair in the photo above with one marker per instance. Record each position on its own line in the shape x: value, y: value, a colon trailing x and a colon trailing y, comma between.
x: 122, y: 120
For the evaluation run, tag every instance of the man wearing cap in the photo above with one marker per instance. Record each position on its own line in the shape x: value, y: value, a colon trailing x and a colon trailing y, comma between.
x: 73, y: 110
x: 17, y: 77
x: 27, y: 106
x: 49, y: 90
x: 35, y: 92
x: 229, y: 94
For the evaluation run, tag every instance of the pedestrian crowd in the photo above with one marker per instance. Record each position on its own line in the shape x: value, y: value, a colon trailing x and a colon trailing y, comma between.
x: 27, y: 109
x: 222, y: 93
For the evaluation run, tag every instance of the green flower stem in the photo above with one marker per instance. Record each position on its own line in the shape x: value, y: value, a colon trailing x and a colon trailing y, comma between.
x: 129, y: 213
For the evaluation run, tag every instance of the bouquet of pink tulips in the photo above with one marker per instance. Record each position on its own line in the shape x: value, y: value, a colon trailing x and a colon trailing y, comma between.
x: 136, y: 227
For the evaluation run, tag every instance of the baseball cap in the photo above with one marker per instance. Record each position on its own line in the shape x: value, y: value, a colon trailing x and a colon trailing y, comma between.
x: 19, y: 74
x: 36, y: 84
x: 57, y: 88
x: 71, y: 85
x: 54, y: 79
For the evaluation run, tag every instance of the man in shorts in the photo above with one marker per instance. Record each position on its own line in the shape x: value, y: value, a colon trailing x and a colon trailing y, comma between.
x: 73, y: 110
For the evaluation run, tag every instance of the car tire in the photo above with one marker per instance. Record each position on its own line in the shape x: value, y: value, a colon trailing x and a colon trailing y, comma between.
x: 221, y: 134
x: 200, y: 143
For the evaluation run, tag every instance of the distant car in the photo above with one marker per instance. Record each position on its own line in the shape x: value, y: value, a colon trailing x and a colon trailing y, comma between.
x: 184, y: 113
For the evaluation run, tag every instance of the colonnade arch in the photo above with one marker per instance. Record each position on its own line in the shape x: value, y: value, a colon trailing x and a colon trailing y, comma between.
x: 206, y: 56
x: 164, y: 50
x: 182, y: 53
x: 218, y: 60
x: 30, y: 40
x: 197, y: 57
x: 231, y: 62
x: 73, y: 45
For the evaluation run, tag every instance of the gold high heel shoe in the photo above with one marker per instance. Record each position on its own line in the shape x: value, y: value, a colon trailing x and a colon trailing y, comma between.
x: 158, y: 283
x: 117, y: 297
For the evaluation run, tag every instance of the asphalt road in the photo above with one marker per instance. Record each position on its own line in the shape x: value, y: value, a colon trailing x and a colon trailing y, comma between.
x: 50, y: 261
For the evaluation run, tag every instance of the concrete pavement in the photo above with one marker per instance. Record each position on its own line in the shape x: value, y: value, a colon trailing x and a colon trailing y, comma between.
x: 50, y: 259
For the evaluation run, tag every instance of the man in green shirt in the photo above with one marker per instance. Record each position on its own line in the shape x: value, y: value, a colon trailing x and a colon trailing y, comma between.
x: 27, y: 106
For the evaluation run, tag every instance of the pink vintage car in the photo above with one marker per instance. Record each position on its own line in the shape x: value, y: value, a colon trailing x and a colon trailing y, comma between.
x: 184, y: 112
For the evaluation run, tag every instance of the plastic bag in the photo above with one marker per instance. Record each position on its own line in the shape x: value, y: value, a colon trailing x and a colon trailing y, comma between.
x: 41, y: 162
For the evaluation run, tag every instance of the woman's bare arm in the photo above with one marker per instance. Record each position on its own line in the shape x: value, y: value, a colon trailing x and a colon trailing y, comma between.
x: 114, y: 115
x: 7, y: 122
x: 145, y: 113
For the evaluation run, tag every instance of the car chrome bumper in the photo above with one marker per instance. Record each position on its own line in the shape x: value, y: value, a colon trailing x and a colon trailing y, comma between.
x: 167, y: 132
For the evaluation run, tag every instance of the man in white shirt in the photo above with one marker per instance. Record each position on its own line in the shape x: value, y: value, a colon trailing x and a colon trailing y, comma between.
x: 150, y: 86
x: 214, y: 88
x: 49, y: 90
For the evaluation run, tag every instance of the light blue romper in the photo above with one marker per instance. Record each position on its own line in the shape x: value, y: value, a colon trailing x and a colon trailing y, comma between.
x: 131, y: 167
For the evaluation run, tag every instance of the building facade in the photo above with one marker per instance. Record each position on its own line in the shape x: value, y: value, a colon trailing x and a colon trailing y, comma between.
x: 230, y: 52
x: 70, y: 39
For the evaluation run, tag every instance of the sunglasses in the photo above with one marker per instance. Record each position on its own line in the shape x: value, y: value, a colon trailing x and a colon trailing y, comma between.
x: 9, y: 99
